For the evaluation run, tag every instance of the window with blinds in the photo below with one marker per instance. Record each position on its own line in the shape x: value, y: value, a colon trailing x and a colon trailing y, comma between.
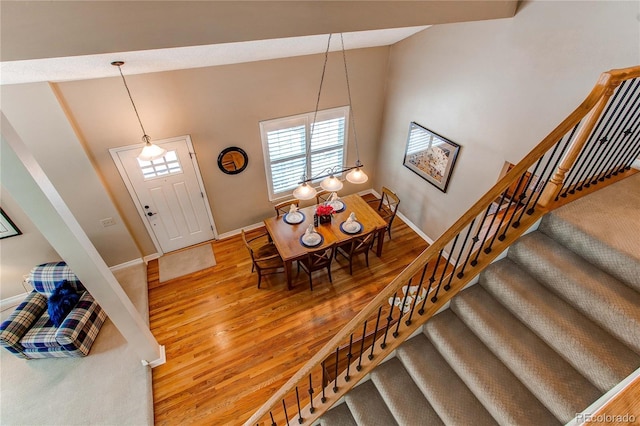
x: 293, y: 147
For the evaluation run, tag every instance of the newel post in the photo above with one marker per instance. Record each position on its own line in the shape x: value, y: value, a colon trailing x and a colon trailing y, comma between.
x: 556, y: 182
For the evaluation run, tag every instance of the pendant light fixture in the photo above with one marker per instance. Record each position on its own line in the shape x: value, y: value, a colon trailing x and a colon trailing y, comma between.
x: 355, y: 175
x: 330, y: 182
x: 304, y: 191
x: 150, y: 151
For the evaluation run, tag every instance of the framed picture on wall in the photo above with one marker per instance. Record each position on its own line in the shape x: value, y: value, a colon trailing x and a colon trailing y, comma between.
x: 7, y: 227
x: 430, y: 155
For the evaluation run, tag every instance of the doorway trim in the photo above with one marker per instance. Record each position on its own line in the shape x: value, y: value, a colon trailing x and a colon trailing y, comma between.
x: 127, y: 182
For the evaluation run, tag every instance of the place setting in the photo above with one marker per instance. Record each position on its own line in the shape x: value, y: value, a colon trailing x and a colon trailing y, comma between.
x: 351, y: 225
x: 335, y: 202
x: 311, y: 237
x: 293, y: 216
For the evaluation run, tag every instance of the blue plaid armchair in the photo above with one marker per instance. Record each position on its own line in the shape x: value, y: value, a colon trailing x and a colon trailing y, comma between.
x: 29, y: 332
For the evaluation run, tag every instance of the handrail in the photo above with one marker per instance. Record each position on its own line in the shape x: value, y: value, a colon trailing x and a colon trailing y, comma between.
x: 538, y: 185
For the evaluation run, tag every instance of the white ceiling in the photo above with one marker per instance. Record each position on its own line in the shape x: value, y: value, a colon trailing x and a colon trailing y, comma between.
x: 148, y: 61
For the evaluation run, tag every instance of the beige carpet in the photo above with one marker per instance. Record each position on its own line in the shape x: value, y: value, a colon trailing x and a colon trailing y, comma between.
x: 108, y: 387
x: 185, y: 262
x: 546, y: 331
x: 611, y: 214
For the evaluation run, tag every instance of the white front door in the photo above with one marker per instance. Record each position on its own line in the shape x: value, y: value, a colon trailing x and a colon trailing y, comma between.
x: 168, y: 193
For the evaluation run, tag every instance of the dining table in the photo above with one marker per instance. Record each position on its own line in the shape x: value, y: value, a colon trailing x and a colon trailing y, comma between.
x: 286, y: 236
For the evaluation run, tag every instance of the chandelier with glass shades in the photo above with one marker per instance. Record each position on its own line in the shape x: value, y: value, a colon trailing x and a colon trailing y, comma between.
x: 150, y: 151
x: 330, y: 182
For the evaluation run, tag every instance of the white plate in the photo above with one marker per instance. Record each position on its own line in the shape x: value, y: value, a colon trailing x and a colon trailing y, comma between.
x: 337, y: 205
x: 352, y: 227
x: 311, y: 239
x: 293, y: 218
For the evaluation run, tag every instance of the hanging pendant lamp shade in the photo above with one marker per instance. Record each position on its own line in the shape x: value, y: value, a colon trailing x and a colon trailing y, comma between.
x: 357, y: 176
x: 150, y: 151
x: 331, y: 184
x: 304, y: 192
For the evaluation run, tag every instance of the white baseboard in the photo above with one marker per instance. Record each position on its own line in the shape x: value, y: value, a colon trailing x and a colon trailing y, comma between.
x: 237, y: 231
x: 636, y: 164
x: 128, y: 264
x: 151, y: 257
x: 403, y: 217
x: 159, y: 361
x: 415, y: 228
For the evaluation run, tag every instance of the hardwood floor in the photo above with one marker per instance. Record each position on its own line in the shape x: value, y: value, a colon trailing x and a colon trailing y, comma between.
x: 230, y: 345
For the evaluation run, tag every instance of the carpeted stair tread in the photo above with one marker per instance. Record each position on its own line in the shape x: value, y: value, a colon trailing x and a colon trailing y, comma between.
x: 598, y: 295
x: 367, y: 406
x: 546, y: 374
x: 502, y: 394
x: 598, y: 356
x: 615, y: 262
x: 438, y: 382
x: 339, y: 415
x: 609, y: 214
x: 402, y: 396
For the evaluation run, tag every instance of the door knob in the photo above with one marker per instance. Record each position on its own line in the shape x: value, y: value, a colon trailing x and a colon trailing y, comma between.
x: 150, y: 214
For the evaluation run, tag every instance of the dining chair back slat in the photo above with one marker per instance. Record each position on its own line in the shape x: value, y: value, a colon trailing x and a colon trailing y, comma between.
x: 322, y: 196
x: 317, y: 260
x: 264, y: 255
x: 358, y: 245
x: 387, y: 206
x: 285, y: 206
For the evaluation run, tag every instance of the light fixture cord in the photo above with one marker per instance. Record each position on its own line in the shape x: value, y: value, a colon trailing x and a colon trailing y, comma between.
x: 315, y: 114
x: 353, y: 117
x: 145, y: 137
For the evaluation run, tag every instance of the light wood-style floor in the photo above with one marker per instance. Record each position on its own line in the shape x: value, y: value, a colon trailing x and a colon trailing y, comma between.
x: 229, y: 345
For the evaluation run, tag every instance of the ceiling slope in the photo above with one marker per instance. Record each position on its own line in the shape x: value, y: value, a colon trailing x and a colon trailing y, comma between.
x: 46, y: 29
x: 71, y: 40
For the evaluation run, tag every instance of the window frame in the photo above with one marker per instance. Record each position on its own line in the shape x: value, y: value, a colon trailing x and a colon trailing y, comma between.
x: 297, y: 120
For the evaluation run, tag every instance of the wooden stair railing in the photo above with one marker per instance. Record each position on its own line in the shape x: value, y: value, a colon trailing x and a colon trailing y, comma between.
x: 592, y: 148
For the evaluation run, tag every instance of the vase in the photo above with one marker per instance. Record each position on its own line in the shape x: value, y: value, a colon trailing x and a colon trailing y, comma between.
x: 325, y: 218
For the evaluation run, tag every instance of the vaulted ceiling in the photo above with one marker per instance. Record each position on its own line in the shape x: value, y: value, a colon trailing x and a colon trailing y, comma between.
x: 69, y: 40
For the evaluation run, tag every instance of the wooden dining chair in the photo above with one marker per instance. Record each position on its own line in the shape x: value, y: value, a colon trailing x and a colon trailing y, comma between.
x: 355, y: 246
x: 283, y: 207
x: 322, y: 196
x: 317, y: 260
x: 264, y: 255
x: 386, y: 206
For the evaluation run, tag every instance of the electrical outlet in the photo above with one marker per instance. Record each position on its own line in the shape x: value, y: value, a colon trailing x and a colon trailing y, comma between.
x: 109, y: 221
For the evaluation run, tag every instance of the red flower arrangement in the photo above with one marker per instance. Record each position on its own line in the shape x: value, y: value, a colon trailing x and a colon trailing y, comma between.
x: 324, y: 210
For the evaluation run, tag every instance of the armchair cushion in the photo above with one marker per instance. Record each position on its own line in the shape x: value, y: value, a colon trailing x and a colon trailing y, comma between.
x: 45, y: 277
x: 13, y: 329
x: 74, y: 337
x: 61, y: 301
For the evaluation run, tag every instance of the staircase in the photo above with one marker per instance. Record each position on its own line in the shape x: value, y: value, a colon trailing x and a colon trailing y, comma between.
x: 546, y: 331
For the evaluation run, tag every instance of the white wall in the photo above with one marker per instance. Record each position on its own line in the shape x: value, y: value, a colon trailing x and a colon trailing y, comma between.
x: 221, y: 107
x: 36, y: 115
x: 20, y: 253
x: 497, y: 88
